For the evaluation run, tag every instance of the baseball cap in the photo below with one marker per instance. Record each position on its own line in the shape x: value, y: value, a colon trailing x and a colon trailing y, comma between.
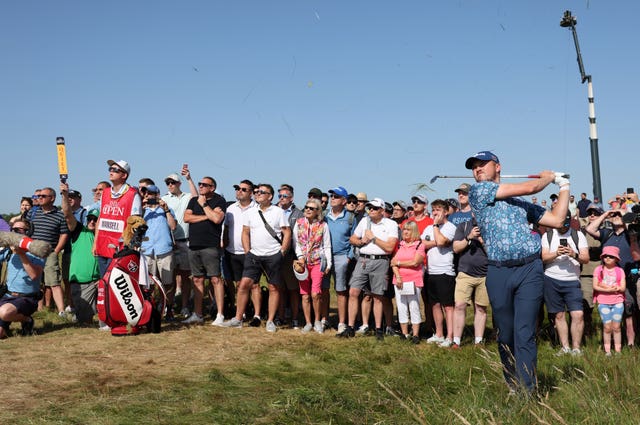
x: 388, y: 208
x: 340, y: 191
x: 376, y: 202
x: 123, y: 165
x: 94, y: 212
x: 315, y: 192
x: 152, y: 188
x: 595, y: 207
x: 482, y: 156
x: 421, y: 198
x: 454, y: 203
x: 173, y: 176
x: 400, y: 204
x: 75, y: 194
x: 464, y: 187
x: 362, y: 196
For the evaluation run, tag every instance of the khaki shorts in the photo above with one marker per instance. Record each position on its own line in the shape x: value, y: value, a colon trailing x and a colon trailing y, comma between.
x: 465, y: 286
x: 52, y: 273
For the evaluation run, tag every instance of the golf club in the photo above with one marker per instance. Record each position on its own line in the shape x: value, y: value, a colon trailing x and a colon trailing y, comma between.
x: 510, y: 176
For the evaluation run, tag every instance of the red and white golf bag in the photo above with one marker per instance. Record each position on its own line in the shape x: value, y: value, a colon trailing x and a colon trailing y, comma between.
x: 125, y: 295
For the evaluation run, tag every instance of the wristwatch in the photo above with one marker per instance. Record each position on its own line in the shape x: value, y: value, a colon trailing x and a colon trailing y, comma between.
x: 436, y: 225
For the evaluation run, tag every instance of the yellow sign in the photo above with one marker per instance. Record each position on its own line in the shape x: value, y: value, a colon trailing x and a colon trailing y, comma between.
x: 62, y: 158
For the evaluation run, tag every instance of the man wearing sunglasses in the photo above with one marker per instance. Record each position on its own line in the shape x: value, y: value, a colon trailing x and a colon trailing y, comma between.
x: 292, y: 214
x: 117, y: 203
x: 266, y: 236
x: 49, y: 226
x: 234, y: 255
x: 621, y: 238
x: 205, y: 215
x: 177, y: 201
x: 83, y: 274
x: 376, y: 236
x: 24, y: 271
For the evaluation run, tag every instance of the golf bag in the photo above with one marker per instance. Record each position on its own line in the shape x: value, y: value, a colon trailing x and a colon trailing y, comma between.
x: 125, y: 292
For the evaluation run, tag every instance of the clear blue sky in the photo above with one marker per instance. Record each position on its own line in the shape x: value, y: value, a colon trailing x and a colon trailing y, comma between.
x: 375, y: 96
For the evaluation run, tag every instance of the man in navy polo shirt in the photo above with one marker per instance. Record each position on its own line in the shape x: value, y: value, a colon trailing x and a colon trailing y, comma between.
x: 515, y: 272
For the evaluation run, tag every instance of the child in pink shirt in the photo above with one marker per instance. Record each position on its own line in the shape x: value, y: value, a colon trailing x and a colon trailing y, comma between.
x: 609, y: 285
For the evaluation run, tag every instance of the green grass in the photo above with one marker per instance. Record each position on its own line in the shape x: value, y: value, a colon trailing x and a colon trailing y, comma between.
x: 205, y: 375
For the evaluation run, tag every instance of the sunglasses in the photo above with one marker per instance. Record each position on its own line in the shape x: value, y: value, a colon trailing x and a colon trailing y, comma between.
x: 202, y: 184
x: 261, y: 192
x: 91, y: 218
x: 18, y: 229
x: 352, y: 202
x: 171, y: 183
x: 115, y: 170
x: 419, y: 202
x: 375, y: 208
x: 594, y: 213
x: 307, y: 207
x: 242, y: 189
x: 97, y: 189
x: 283, y: 195
x: 615, y: 215
x: 44, y: 196
x: 334, y: 196
x: 609, y: 256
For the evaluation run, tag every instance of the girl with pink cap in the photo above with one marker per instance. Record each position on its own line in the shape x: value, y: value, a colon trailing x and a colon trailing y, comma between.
x: 609, y: 285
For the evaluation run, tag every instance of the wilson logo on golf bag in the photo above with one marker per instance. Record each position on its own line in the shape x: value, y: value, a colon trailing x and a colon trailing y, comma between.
x: 120, y: 298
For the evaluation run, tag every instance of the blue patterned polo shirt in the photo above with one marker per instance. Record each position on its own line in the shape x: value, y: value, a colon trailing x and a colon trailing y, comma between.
x: 504, y: 224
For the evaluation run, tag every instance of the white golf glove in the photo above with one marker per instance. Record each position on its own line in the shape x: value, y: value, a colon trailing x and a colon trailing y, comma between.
x: 561, y: 181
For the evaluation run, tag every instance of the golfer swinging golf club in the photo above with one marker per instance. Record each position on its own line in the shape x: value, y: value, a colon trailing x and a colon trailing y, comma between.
x: 515, y: 272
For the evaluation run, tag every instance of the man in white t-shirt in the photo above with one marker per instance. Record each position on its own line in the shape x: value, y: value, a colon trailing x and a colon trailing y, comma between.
x: 266, y: 236
x: 562, y: 259
x: 441, y: 279
x: 377, y: 237
x: 234, y: 255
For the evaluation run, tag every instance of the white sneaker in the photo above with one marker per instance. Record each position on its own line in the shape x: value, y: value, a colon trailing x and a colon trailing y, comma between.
x: 341, y: 327
x: 219, y: 320
x: 319, y: 327
x: 362, y: 330
x: 104, y: 328
x: 233, y: 323
x: 185, y: 312
x: 69, y: 309
x: 446, y: 343
x: 271, y: 327
x: 307, y: 328
x: 563, y: 351
x: 435, y: 340
x: 194, y: 318
x: 576, y: 352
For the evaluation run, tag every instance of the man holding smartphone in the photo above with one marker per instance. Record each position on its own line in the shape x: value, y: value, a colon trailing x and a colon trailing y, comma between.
x: 563, y: 251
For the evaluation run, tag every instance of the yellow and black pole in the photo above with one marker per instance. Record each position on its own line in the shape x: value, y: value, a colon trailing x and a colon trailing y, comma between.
x: 62, y: 159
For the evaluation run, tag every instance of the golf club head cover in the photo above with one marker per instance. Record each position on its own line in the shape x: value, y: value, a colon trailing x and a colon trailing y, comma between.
x: 40, y: 249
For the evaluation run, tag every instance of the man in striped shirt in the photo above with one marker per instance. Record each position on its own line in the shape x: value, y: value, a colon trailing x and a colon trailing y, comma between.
x: 49, y: 225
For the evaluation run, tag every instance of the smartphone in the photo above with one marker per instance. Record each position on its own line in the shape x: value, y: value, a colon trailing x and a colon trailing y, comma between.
x: 630, y: 190
x: 154, y: 201
x: 563, y: 242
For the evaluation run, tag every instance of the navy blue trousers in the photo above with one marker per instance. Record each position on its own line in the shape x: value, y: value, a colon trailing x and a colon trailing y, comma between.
x: 516, y: 295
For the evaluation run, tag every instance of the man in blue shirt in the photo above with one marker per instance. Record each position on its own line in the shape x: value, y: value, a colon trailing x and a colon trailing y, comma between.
x: 515, y: 272
x: 158, y: 246
x: 341, y: 226
x: 24, y: 272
